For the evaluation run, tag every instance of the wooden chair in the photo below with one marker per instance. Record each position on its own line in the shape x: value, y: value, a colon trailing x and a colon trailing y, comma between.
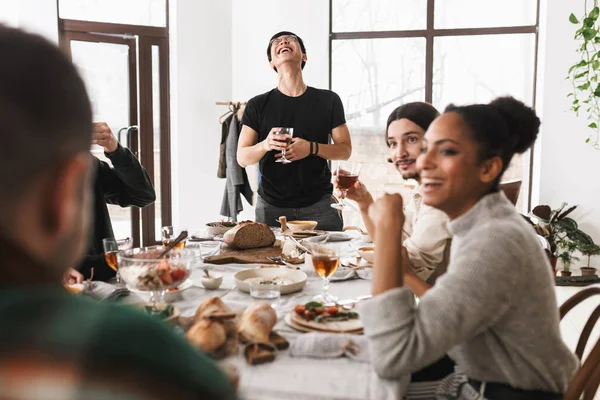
x: 586, y: 381
x: 511, y: 189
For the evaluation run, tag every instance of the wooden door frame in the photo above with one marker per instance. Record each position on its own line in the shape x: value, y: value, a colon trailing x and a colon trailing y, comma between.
x: 147, y: 36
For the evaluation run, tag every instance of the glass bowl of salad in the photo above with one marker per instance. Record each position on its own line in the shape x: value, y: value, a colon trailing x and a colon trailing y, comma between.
x: 141, y: 269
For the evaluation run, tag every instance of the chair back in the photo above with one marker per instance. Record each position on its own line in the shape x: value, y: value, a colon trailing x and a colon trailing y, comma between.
x: 511, y: 190
x: 586, y: 381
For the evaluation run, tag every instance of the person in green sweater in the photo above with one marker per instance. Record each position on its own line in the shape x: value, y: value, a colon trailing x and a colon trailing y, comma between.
x: 54, y: 344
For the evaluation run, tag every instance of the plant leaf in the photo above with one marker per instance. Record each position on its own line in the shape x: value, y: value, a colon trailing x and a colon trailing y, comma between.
x: 567, y: 225
x: 589, y: 33
x: 594, y: 13
x: 543, y: 212
x: 585, y: 86
x: 581, y: 74
x: 573, y: 19
x: 593, y: 125
x: 567, y: 212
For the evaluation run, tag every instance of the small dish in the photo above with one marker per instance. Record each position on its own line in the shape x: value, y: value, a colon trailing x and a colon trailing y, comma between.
x: 172, y: 294
x: 217, y: 228
x: 211, y: 282
x: 293, y: 280
x: 368, y: 253
x: 75, y: 288
x: 160, y: 307
x: 299, y: 226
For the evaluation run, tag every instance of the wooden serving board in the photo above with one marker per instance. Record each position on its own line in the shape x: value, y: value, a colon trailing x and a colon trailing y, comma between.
x: 249, y: 256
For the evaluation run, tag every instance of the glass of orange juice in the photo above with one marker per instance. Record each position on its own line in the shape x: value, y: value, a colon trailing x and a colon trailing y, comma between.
x: 325, y: 259
x: 110, y: 255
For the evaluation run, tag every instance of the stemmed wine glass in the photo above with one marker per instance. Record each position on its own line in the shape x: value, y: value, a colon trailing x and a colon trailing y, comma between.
x: 111, y: 248
x: 325, y: 259
x: 290, y: 132
x: 347, y: 176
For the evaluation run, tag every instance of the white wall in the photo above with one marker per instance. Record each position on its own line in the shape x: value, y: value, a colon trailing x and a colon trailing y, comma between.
x: 568, y: 167
x: 36, y: 16
x: 200, y: 75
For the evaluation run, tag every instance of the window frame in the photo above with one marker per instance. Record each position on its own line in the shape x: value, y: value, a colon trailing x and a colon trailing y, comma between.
x: 429, y: 34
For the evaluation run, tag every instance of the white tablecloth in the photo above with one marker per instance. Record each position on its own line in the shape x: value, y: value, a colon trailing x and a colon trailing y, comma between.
x: 293, y: 378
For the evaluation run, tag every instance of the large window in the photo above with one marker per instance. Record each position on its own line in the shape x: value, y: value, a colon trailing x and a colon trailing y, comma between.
x: 388, y: 52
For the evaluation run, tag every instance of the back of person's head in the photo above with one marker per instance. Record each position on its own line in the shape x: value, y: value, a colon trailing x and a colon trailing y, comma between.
x: 45, y: 137
x: 285, y: 33
x: 418, y: 112
x: 502, y: 128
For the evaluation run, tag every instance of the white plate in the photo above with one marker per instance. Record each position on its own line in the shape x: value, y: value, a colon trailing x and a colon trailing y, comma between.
x: 297, y: 277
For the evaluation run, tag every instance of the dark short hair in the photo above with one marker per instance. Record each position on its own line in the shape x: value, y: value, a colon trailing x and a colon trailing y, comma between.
x: 284, y: 33
x: 502, y: 128
x: 417, y: 112
x: 45, y: 113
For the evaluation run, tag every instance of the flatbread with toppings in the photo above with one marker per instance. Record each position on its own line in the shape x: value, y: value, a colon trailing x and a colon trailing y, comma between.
x: 316, y: 316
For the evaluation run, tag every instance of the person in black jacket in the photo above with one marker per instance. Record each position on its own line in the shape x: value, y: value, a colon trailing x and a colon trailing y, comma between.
x: 126, y: 183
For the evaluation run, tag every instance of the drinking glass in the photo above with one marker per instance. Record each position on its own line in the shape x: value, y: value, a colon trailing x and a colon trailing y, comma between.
x: 110, y: 255
x: 325, y: 260
x: 268, y: 291
x: 290, y: 132
x: 168, y: 235
x: 347, y: 176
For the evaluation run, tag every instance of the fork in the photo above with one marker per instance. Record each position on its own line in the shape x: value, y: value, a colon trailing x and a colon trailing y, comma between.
x: 280, y: 261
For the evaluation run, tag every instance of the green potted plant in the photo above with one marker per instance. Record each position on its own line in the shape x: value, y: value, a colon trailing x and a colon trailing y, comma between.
x: 589, y: 251
x: 566, y: 248
x: 559, y: 230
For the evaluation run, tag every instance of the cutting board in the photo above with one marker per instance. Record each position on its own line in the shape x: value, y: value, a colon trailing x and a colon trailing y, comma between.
x: 249, y: 256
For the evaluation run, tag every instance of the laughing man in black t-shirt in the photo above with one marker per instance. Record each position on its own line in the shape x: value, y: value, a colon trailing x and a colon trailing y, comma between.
x: 302, y: 189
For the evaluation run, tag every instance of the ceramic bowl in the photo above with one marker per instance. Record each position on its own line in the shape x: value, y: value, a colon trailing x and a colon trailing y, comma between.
x: 295, y: 279
x: 213, y: 282
x: 368, y: 253
x: 217, y: 230
x: 298, y: 226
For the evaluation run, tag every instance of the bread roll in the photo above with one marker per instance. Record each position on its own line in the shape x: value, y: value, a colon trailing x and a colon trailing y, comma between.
x: 257, y: 322
x: 210, y: 306
x: 249, y: 235
x: 207, y: 335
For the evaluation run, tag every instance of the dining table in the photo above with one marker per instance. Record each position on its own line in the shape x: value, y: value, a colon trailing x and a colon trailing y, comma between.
x: 288, y: 377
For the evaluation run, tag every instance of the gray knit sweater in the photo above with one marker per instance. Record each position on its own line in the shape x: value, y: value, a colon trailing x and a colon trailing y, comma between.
x: 494, y: 312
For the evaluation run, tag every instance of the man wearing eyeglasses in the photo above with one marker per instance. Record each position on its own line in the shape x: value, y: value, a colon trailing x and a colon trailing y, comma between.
x: 300, y: 189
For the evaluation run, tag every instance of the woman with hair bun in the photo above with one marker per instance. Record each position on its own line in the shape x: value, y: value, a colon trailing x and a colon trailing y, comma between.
x: 494, y: 311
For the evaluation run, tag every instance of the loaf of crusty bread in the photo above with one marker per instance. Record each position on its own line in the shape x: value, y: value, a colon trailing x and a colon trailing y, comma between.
x: 257, y: 322
x: 207, y: 335
x: 249, y: 235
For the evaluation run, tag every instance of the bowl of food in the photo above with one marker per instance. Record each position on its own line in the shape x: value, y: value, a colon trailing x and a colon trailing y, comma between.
x: 141, y: 269
x: 75, y: 288
x: 299, y: 226
x: 367, y: 253
x: 290, y: 280
x: 364, y: 235
x: 211, y: 280
x: 219, y: 228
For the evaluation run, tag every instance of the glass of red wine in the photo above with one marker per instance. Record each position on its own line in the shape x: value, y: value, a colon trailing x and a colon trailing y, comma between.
x: 347, y: 176
x: 290, y: 133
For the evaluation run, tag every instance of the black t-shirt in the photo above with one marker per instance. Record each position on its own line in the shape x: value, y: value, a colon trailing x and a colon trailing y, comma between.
x: 313, y: 115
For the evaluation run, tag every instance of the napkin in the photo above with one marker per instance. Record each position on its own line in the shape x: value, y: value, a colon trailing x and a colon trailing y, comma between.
x: 345, y: 274
x: 331, y: 345
x: 104, y: 291
x: 331, y: 237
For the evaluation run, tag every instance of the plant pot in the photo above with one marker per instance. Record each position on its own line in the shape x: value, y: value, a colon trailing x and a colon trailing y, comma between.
x: 588, y: 271
x: 565, y: 273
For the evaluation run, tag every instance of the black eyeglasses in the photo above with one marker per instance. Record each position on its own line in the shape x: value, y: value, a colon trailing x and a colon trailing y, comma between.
x: 287, y: 38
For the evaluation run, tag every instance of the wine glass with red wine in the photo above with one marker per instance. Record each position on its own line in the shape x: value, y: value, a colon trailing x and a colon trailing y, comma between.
x: 288, y: 140
x: 347, y: 176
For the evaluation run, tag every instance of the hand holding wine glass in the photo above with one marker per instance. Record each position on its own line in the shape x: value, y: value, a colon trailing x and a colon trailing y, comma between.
x: 347, y: 175
x: 286, y: 134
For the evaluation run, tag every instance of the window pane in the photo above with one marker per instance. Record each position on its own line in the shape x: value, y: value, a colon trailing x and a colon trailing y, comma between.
x: 105, y: 70
x: 156, y: 140
x: 484, y: 14
x: 132, y: 12
x: 476, y: 69
x: 378, y: 15
x: 373, y: 77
